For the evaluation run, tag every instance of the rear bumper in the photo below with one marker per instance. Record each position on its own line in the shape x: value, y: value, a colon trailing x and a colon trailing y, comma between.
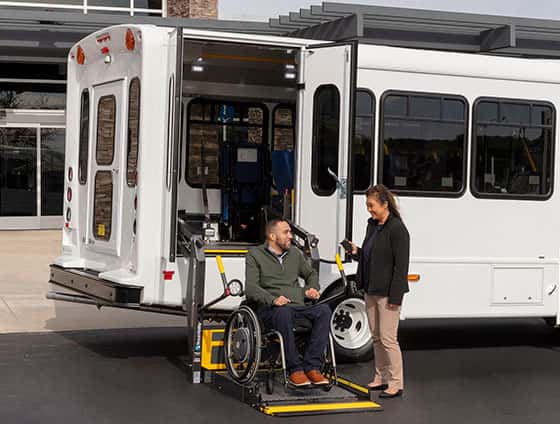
x: 89, y: 284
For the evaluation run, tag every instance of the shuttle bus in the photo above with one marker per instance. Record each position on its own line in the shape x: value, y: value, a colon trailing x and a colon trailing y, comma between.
x: 181, y: 144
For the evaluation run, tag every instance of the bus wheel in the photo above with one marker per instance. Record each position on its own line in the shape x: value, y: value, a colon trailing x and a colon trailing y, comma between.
x: 350, y: 330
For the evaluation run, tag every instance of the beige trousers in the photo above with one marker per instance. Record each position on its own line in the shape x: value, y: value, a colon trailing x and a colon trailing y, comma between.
x: 384, y: 323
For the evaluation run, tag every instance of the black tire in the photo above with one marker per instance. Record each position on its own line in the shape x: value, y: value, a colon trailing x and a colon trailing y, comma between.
x: 344, y: 322
x: 551, y: 321
x: 242, y: 345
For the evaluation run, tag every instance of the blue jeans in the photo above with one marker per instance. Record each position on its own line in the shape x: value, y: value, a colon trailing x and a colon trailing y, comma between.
x: 282, y: 318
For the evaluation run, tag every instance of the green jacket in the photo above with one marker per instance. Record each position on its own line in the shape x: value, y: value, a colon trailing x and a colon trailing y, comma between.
x: 266, y: 278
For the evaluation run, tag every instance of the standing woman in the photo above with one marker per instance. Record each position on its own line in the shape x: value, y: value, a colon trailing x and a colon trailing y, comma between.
x: 383, y: 275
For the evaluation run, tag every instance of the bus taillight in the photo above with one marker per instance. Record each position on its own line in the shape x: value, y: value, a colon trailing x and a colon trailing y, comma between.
x: 70, y: 174
x: 81, y: 56
x: 69, y: 194
x: 130, y: 41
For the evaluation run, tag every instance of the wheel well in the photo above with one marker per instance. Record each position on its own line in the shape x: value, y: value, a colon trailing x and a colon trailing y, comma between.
x: 335, y: 286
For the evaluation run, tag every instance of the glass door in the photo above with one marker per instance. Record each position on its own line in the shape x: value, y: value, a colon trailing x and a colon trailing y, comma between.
x: 18, y: 172
x: 31, y: 176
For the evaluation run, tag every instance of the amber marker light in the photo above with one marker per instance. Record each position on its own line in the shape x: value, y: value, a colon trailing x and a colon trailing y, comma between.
x: 413, y: 277
x: 81, y: 56
x: 130, y: 41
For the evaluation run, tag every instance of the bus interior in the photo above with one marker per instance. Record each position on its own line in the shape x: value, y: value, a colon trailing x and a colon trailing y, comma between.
x: 238, y: 132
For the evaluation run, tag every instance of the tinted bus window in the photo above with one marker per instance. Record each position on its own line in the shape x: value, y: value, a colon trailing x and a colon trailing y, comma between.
x: 362, y: 152
x: 422, y: 149
x: 512, y: 149
x: 106, y: 111
x: 326, y: 128
x: 133, y: 129
x: 84, y: 138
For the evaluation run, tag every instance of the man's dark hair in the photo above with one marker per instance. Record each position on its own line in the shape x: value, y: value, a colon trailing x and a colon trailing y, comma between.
x: 271, y: 225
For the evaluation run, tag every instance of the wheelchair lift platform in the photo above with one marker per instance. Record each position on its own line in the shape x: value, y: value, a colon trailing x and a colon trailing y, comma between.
x: 342, y: 396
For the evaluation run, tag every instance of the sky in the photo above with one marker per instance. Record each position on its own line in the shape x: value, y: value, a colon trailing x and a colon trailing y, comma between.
x: 261, y: 10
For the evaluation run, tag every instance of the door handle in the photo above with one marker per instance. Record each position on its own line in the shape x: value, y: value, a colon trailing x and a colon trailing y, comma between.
x: 340, y: 183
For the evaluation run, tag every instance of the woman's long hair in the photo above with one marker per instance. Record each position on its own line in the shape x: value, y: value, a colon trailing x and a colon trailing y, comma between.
x: 382, y: 194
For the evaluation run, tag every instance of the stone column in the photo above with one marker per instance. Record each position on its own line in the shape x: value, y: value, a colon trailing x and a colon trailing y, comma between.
x: 201, y: 9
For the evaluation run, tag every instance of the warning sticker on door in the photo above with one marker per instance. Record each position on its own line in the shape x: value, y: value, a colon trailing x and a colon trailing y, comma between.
x: 101, y: 230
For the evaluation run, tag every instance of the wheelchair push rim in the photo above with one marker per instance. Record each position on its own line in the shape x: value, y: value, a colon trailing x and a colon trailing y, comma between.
x: 242, y: 347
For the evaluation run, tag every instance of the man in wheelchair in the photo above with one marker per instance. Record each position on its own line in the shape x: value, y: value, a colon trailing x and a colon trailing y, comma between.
x: 272, y: 272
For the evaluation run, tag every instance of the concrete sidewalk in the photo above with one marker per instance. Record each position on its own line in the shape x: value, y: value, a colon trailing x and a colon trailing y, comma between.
x: 24, y: 272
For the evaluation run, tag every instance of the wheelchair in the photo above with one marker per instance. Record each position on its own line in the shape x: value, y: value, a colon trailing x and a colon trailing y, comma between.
x: 250, y: 347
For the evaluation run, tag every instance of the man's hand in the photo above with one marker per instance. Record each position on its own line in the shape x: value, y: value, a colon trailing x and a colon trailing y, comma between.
x: 312, y: 293
x: 281, y: 301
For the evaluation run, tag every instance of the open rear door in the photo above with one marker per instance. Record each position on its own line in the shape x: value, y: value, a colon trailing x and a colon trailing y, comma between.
x: 325, y: 107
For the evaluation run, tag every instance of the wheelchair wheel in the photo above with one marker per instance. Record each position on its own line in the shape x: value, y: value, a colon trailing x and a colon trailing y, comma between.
x: 242, y: 347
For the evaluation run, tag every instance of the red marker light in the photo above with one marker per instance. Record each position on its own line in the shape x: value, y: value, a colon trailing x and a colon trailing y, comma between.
x: 168, y: 275
x: 105, y: 50
x: 130, y: 41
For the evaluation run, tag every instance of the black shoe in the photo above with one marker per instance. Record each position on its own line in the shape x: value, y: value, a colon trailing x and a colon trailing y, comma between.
x: 385, y: 395
x: 378, y: 387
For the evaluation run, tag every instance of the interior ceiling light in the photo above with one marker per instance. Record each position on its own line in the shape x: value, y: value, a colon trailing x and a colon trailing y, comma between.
x: 290, y: 75
x: 197, y: 68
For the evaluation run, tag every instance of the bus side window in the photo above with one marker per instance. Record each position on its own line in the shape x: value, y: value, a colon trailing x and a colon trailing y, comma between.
x: 362, y: 151
x: 133, y: 129
x: 512, y: 148
x: 423, y: 144
x: 326, y: 128
x: 84, y: 138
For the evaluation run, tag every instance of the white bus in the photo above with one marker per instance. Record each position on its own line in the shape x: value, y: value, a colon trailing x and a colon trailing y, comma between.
x: 180, y: 144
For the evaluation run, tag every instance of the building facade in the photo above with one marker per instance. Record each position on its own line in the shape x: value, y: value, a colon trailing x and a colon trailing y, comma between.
x: 33, y: 93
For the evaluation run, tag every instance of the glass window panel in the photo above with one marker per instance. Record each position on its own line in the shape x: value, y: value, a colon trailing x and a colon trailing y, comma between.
x: 425, y: 107
x: 283, y: 139
x: 326, y: 125
x: 65, y: 2
x: 110, y: 3
x: 84, y: 139
x: 103, y: 205
x: 363, y: 141
x: 487, y: 112
x: 256, y: 116
x: 106, y: 112
x: 513, y: 160
x: 423, y: 155
x: 52, y: 171
x: 203, y: 154
x: 18, y: 172
x: 32, y: 96
x: 255, y: 135
x: 453, y: 110
x: 542, y: 115
x: 133, y: 129
x: 394, y: 106
x: 364, y: 105
x: 283, y: 116
x: 147, y: 4
x: 515, y: 113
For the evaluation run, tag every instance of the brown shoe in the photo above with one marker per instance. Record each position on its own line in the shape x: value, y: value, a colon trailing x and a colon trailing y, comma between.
x: 299, y: 379
x: 317, y: 378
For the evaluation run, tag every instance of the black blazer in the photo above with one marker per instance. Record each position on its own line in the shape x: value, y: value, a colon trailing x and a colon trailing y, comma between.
x: 388, y: 261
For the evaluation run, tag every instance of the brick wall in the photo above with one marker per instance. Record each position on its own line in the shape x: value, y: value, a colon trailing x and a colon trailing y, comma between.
x: 202, y: 9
